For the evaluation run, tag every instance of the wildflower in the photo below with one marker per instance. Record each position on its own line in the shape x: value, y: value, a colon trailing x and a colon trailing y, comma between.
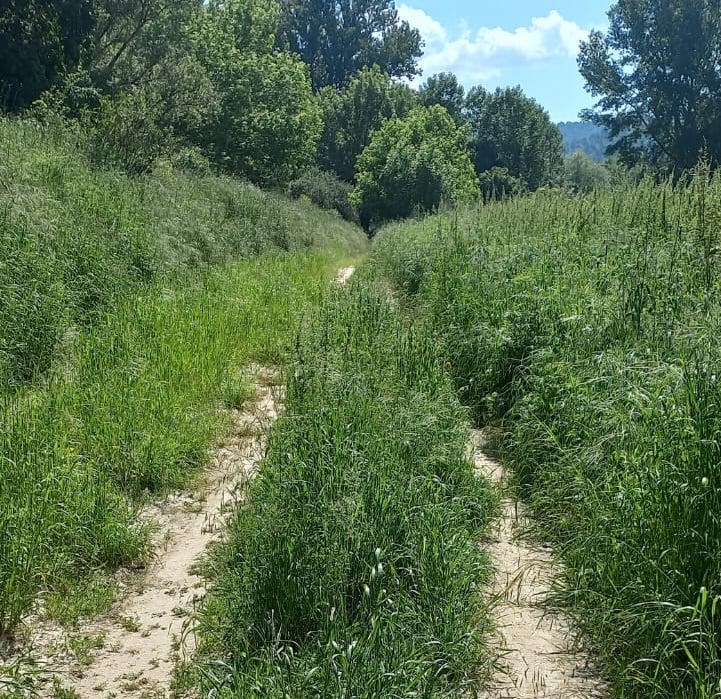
x: 704, y: 482
x: 366, y: 591
x: 380, y: 568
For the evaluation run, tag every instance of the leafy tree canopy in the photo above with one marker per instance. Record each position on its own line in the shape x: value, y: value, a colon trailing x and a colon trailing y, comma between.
x: 352, y: 114
x: 336, y: 39
x: 444, y: 89
x: 582, y: 174
x: 512, y: 131
x: 40, y: 41
x: 268, y: 123
x: 413, y: 164
x: 658, y: 78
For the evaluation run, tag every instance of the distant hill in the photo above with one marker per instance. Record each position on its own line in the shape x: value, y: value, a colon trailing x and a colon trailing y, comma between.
x: 589, y: 138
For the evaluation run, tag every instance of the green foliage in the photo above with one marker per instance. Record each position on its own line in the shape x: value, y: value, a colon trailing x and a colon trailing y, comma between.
x: 352, y: 114
x: 581, y: 174
x: 590, y: 325
x: 513, y: 131
x: 40, y: 42
x: 498, y: 184
x: 325, y: 190
x: 117, y: 342
x: 125, y: 132
x: 354, y: 568
x: 268, y: 123
x: 444, y: 89
x: 656, y: 75
x: 338, y: 39
x: 412, y: 165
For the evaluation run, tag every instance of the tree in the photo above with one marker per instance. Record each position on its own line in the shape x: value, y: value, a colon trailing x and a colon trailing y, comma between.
x: 512, y: 131
x: 444, y: 89
x: 40, y: 42
x: 352, y: 114
x: 336, y: 39
x: 268, y: 123
x: 582, y: 174
x: 413, y: 164
x: 658, y: 77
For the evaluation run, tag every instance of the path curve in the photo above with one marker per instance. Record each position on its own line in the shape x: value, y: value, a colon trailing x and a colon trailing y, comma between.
x: 536, y: 658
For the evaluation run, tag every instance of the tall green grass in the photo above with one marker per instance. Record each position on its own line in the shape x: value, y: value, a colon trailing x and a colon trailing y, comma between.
x: 589, y: 326
x: 126, y: 315
x: 74, y: 239
x: 354, y: 570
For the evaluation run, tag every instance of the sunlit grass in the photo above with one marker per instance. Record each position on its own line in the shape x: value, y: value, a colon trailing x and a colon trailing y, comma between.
x: 127, y: 312
x: 589, y: 328
x: 355, y: 569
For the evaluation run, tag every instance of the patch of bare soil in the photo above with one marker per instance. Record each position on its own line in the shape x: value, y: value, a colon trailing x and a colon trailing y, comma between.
x: 344, y: 275
x: 149, y: 630
x: 537, y: 653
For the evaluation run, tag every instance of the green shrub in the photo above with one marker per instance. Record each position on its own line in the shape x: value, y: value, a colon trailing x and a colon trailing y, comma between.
x: 412, y: 165
x: 498, y: 184
x: 126, y: 132
x: 325, y: 190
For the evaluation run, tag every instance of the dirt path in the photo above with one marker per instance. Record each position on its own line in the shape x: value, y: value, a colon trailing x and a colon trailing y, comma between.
x: 344, y: 275
x: 536, y: 659
x: 133, y: 652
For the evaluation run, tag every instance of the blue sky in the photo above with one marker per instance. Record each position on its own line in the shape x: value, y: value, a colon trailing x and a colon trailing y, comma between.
x: 510, y: 42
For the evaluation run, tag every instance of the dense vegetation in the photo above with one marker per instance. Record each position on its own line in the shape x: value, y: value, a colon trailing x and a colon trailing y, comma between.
x: 590, y: 326
x: 579, y: 315
x: 354, y: 569
x: 126, y: 314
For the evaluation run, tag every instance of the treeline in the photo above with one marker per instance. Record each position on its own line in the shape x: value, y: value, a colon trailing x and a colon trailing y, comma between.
x: 311, y: 92
x: 274, y: 92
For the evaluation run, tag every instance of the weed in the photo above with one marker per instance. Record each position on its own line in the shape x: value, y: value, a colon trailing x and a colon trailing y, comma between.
x: 354, y: 570
x: 587, y: 329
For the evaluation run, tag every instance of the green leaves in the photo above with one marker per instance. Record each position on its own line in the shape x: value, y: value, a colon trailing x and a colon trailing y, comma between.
x: 513, y: 131
x: 337, y: 39
x: 352, y: 114
x: 657, y: 78
x: 268, y: 123
x: 413, y: 164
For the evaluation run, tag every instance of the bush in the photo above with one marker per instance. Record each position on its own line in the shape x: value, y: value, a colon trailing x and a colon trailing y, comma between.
x: 325, y: 190
x: 412, y: 165
x: 126, y: 133
x: 581, y: 174
x: 498, y: 184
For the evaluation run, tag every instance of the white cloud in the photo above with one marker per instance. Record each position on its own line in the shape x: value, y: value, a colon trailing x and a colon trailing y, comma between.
x: 486, y: 53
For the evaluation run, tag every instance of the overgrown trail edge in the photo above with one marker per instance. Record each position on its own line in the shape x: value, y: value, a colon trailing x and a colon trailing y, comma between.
x: 536, y: 654
x: 151, y: 628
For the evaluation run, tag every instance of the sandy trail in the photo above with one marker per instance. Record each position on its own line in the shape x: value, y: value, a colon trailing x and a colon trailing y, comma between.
x: 149, y: 630
x: 536, y: 655
x: 344, y: 275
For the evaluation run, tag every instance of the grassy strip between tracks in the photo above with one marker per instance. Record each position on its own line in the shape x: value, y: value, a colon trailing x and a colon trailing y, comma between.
x: 354, y: 570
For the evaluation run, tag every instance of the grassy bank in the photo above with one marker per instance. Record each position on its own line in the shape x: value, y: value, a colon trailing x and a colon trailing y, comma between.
x: 74, y: 240
x: 590, y: 326
x: 126, y: 314
x: 354, y: 570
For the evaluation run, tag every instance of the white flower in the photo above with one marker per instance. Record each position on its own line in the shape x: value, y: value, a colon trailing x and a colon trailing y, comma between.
x: 704, y: 482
